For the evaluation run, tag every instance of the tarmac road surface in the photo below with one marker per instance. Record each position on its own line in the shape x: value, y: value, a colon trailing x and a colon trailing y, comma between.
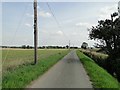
x: 67, y: 73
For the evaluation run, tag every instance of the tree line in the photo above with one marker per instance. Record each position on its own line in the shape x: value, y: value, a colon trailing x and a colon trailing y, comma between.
x: 40, y: 47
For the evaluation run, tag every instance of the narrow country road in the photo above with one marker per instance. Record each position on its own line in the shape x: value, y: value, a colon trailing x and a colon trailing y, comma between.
x: 67, y: 73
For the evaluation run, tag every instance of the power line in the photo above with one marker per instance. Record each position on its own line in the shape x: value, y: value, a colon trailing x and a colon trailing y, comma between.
x: 53, y: 14
x: 59, y: 26
x: 17, y: 28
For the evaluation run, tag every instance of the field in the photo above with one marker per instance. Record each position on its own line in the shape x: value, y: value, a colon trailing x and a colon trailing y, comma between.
x: 99, y: 77
x: 12, y: 58
x: 18, y: 71
x: 17, y: 64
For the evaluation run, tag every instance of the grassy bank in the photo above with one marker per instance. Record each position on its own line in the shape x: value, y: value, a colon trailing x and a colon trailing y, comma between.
x: 24, y: 74
x: 99, y: 77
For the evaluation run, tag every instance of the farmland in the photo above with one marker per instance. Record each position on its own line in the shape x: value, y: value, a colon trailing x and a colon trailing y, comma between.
x: 14, y: 57
x: 17, y: 64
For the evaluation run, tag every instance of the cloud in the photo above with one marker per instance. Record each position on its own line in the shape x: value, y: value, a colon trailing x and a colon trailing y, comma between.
x: 38, y: 7
x: 84, y: 24
x: 29, y: 15
x: 106, y: 11
x: 43, y: 31
x: 59, y: 33
x: 41, y: 13
x: 44, y: 14
x: 28, y: 25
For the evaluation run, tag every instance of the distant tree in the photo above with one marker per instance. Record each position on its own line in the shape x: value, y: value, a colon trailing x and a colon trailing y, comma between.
x: 84, y: 45
x: 64, y: 47
x: 67, y: 46
x: 23, y: 46
x: 28, y: 47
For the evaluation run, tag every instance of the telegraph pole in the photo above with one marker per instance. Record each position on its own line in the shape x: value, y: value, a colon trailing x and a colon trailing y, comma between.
x: 69, y: 44
x: 35, y: 32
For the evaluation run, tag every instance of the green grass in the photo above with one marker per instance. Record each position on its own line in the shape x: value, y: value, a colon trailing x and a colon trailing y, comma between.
x: 0, y: 68
x: 17, y: 57
x: 25, y: 73
x: 99, y: 77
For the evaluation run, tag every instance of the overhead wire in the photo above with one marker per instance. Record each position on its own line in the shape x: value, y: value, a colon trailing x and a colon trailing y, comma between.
x: 58, y: 24
x: 53, y: 14
x: 16, y: 30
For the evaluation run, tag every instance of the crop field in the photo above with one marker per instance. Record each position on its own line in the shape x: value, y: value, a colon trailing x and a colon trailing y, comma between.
x: 12, y: 58
x: 17, y: 64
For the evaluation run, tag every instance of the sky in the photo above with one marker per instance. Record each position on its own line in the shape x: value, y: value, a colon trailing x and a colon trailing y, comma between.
x: 72, y: 22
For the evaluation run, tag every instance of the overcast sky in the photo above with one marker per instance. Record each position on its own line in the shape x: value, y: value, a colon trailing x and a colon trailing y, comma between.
x: 73, y: 17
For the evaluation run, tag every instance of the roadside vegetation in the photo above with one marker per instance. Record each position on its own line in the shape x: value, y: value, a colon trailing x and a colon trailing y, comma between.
x: 100, y: 78
x: 23, y: 73
x: 107, y: 33
x: 99, y: 58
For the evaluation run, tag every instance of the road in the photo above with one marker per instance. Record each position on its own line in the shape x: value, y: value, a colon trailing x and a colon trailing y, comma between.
x: 67, y: 73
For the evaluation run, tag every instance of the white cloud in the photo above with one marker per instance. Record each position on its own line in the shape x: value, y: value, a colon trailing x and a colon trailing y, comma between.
x: 106, y: 11
x: 44, y: 14
x: 30, y: 15
x: 41, y: 13
x: 28, y: 25
x: 85, y: 24
x: 59, y: 33
x: 38, y: 7
x: 43, y: 31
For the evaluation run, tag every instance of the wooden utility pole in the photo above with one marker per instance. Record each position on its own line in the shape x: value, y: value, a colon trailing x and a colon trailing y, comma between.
x: 35, y: 32
x: 69, y: 44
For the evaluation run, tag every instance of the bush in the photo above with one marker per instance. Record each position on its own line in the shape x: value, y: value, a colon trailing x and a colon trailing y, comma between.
x: 109, y: 63
x: 100, y: 59
x: 100, y: 78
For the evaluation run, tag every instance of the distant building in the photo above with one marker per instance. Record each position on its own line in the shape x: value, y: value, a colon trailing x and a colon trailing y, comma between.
x: 84, y: 45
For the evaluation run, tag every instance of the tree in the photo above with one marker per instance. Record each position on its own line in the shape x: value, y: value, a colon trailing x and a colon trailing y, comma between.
x: 23, y: 46
x: 84, y: 45
x: 27, y: 46
x: 67, y: 46
x: 108, y: 33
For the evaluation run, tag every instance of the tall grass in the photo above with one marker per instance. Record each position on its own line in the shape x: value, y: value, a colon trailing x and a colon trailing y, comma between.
x: 99, y: 58
x: 24, y: 74
x: 99, y: 77
x: 16, y: 57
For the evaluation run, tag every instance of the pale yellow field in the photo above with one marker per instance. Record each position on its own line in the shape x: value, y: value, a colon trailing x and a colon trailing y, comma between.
x: 12, y: 58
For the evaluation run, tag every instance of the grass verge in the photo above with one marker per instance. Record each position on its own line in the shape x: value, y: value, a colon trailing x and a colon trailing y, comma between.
x: 99, y: 77
x: 23, y: 75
